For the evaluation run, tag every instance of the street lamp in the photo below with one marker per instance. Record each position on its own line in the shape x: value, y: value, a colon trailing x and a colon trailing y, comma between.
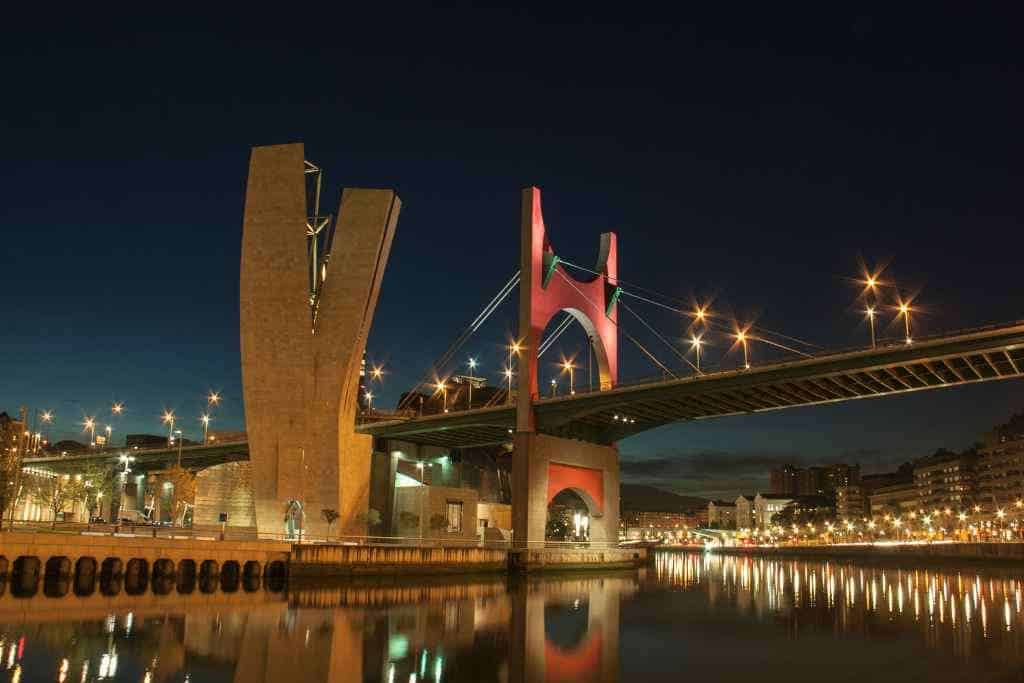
x: 213, y: 399
x: 117, y: 408
x: 168, y: 420
x: 508, y: 376
x: 205, y: 419
x: 554, y: 386
x: 567, y: 366
x: 369, y: 401
x: 177, y: 433
x: 377, y: 373
x: 695, y: 344
x: 905, y: 312
x: 90, y: 426
x: 741, y: 337
x: 443, y: 388
x: 109, y: 429
x: 870, y: 312
x: 472, y: 366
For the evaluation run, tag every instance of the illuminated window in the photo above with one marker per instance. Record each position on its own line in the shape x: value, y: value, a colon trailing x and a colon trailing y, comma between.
x: 454, y: 515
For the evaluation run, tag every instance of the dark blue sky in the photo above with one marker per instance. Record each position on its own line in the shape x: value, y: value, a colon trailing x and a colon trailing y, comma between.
x: 754, y: 157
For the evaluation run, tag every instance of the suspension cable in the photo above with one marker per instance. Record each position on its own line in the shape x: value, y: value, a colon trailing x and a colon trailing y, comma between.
x: 680, y: 311
x: 615, y: 322
x: 667, y: 343
x: 454, y: 347
x: 553, y: 337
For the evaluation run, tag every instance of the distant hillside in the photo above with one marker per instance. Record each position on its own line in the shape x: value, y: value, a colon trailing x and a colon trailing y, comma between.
x: 639, y: 498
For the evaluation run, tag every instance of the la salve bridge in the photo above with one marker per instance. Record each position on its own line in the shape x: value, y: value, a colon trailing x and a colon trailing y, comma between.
x: 303, y: 336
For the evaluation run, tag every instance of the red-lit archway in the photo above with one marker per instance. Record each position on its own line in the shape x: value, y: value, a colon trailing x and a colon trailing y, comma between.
x: 585, y: 481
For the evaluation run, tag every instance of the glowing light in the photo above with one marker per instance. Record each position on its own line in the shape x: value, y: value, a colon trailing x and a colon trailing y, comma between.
x: 205, y: 419
x: 377, y: 372
x: 168, y: 417
x: 213, y: 399
x: 46, y: 416
x: 117, y: 408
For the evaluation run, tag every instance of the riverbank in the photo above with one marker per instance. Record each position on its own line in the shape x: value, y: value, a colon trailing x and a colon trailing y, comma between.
x: 997, y: 553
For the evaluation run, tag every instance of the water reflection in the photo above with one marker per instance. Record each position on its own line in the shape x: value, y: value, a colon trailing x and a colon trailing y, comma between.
x: 960, y: 611
x: 715, y: 618
x: 487, y: 630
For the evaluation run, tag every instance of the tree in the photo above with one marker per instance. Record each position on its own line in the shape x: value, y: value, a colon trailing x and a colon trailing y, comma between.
x: 330, y: 516
x: 556, y: 529
x: 56, y: 491
x: 408, y: 520
x: 371, y: 518
x: 184, y: 492
x: 438, y: 522
x: 10, y: 465
x: 98, y: 481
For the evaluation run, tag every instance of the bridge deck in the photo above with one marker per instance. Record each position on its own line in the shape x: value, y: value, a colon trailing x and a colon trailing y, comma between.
x: 981, y: 355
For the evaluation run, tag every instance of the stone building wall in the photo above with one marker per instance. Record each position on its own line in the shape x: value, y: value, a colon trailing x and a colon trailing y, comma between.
x: 227, y: 488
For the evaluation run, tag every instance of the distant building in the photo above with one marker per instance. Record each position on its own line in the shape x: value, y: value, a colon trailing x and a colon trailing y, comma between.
x: 894, y: 498
x: 1000, y: 466
x: 785, y: 480
x: 658, y: 524
x: 722, y: 514
x: 819, y: 480
x: 767, y: 505
x: 946, y: 479
x: 851, y: 502
x: 745, y: 512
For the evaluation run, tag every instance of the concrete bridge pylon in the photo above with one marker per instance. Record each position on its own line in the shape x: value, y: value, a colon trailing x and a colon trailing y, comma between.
x: 545, y: 465
x: 308, y: 291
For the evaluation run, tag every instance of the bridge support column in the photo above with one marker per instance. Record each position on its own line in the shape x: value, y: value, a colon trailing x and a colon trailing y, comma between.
x: 302, y: 340
x: 543, y: 466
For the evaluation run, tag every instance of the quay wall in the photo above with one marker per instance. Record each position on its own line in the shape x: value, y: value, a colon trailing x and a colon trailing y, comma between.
x: 343, y: 560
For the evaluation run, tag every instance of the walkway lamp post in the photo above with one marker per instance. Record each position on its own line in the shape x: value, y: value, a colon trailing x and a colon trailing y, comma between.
x: 567, y: 366
x: 90, y: 426
x: 695, y: 344
x: 513, y: 348
x: 870, y: 313
x: 177, y: 433
x: 554, y: 387
x: 168, y: 420
x: 205, y: 419
x: 443, y: 388
x: 45, y: 417
x: 905, y: 312
x: 369, y: 401
x: 741, y: 337
x: 472, y: 366
x: 109, y: 430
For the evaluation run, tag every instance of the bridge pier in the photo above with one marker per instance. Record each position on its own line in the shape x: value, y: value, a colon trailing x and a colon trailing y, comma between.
x: 302, y: 339
x: 543, y: 466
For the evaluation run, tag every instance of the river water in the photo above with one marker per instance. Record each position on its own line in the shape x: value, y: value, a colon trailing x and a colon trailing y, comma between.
x: 687, y: 617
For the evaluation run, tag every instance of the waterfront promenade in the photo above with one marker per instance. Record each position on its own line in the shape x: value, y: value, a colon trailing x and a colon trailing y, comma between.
x: 911, y: 553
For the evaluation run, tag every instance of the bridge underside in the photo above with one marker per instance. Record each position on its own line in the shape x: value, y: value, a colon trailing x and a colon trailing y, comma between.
x: 192, y: 458
x: 609, y: 416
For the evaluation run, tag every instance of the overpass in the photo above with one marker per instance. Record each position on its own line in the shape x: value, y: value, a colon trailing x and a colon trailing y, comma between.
x: 605, y: 417
x: 192, y: 458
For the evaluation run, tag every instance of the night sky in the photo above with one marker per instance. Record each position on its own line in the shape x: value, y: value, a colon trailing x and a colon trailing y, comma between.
x: 755, y: 158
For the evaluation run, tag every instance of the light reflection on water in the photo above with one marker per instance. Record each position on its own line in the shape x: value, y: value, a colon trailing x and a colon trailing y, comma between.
x: 964, y: 611
x: 710, y: 617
